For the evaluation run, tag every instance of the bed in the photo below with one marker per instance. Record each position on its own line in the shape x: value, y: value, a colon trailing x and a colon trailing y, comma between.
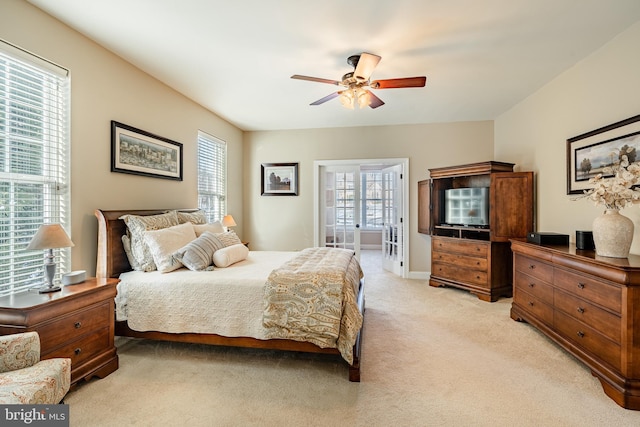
x: 113, y: 262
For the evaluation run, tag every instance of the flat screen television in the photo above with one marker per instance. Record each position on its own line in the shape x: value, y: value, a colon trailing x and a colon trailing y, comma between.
x: 467, y: 206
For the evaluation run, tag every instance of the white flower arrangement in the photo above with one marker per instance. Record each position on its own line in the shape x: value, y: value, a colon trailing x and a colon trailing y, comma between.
x: 616, y: 192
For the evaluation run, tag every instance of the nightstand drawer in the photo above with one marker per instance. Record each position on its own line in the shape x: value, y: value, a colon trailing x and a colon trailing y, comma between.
x: 66, y: 328
x: 82, y: 349
x: 534, y: 286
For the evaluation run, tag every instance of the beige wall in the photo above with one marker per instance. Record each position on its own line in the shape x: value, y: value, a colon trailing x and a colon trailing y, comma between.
x: 286, y: 223
x: 105, y: 88
x: 601, y: 89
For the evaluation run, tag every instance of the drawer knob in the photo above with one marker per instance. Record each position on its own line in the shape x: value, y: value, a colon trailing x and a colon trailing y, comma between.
x: 531, y: 303
x: 77, y: 351
x: 78, y: 325
x: 531, y: 285
x: 581, y: 285
x: 580, y: 334
x: 580, y: 310
x: 532, y: 267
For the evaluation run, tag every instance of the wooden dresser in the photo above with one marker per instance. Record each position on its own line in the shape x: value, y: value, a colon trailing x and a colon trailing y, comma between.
x: 76, y: 322
x: 589, y: 305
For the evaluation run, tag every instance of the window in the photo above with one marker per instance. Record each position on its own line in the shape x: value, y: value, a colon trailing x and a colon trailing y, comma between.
x: 212, y: 176
x: 371, y: 199
x: 34, y: 164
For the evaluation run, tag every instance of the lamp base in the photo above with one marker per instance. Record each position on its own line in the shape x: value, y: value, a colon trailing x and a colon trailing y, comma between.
x: 46, y: 289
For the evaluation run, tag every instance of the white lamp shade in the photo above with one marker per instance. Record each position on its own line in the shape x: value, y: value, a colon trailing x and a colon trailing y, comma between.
x: 228, y: 221
x: 50, y: 236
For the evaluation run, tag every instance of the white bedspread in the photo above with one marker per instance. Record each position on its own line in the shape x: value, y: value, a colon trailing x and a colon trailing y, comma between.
x: 227, y: 301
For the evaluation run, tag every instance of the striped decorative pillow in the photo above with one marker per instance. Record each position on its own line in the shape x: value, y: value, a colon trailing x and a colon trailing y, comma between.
x: 198, y: 254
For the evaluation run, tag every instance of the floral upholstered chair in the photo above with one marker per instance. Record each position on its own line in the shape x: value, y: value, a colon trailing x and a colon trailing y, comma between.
x: 26, y: 379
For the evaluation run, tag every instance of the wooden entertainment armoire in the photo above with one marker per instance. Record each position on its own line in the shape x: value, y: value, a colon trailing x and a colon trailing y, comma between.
x: 476, y: 258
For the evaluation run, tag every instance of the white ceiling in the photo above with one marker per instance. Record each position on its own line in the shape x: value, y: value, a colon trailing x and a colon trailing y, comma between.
x: 236, y: 58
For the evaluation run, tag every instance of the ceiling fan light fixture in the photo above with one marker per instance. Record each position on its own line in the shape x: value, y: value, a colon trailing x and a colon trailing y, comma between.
x: 347, y: 99
x: 363, y: 98
x: 352, y: 96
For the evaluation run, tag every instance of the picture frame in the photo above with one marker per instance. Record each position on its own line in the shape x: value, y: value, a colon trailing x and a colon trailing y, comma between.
x: 136, y: 152
x: 589, y: 153
x: 279, y: 179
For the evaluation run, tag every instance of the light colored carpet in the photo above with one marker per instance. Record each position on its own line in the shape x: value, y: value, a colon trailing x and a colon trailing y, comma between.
x: 431, y: 357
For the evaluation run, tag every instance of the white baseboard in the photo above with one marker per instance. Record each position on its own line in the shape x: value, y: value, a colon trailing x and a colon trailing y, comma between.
x: 419, y: 275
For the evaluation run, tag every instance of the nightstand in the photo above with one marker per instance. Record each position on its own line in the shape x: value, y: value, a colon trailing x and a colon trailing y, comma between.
x: 76, y: 322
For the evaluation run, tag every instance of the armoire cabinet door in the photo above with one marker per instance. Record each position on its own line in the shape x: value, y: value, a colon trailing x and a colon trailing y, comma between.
x: 424, y: 206
x: 511, y: 200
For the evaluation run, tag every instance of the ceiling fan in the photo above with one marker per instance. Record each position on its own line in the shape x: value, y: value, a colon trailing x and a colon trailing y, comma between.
x: 356, y: 83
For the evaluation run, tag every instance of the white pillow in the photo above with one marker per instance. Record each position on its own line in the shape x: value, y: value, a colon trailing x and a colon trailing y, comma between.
x: 137, y: 225
x: 230, y: 255
x: 163, y: 243
x: 214, y: 227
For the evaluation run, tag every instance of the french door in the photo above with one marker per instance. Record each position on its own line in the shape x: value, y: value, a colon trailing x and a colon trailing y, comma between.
x: 392, y: 229
x: 342, y: 207
x: 338, y: 215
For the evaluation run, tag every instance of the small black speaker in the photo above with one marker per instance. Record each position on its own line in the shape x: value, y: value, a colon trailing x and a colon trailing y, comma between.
x: 584, y: 240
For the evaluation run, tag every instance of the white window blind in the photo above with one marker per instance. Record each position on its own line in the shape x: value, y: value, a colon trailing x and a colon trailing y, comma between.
x: 34, y: 164
x: 212, y: 176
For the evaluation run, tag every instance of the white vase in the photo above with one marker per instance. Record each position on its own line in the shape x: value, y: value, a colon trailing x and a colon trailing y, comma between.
x: 612, y: 234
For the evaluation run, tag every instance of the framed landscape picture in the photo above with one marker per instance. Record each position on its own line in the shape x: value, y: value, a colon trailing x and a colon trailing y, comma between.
x: 279, y: 179
x: 137, y: 152
x: 588, y: 154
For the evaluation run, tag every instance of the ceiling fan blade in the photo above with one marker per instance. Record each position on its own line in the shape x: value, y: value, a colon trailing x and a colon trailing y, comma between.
x: 315, y: 79
x: 398, y: 83
x: 375, y: 101
x: 366, y: 64
x: 325, y: 99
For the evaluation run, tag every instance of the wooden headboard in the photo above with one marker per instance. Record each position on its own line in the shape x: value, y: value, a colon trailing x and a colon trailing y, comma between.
x: 112, y: 260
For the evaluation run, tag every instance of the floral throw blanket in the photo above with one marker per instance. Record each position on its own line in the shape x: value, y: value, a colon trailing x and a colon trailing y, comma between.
x: 312, y: 298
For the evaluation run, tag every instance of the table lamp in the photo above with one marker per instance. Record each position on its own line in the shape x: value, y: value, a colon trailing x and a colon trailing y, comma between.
x: 49, y: 237
x: 228, y: 221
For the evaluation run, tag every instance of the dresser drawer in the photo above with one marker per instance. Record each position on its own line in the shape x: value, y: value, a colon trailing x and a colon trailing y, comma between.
x: 465, y: 247
x: 459, y: 274
x: 83, y: 349
x: 588, y: 339
x: 589, y: 288
x: 534, y: 268
x: 71, y: 326
x: 534, y: 286
x: 604, y: 321
x: 537, y: 307
x: 460, y: 260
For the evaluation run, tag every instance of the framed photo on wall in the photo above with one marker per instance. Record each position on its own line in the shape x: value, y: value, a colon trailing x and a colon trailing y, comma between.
x: 588, y: 154
x: 279, y: 179
x: 137, y: 152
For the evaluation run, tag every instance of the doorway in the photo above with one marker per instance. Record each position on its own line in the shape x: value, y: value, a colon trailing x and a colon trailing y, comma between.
x: 362, y: 204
